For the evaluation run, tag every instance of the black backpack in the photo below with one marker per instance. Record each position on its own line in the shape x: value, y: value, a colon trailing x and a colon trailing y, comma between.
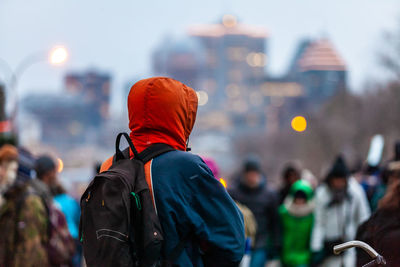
x: 119, y: 225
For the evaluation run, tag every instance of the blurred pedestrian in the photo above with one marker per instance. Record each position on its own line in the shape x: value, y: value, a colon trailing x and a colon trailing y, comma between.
x: 382, y: 230
x: 23, y: 218
x: 388, y: 175
x: 341, y: 206
x: 46, y: 177
x: 196, y: 213
x: 289, y: 176
x: 296, y: 215
x: 380, y: 190
x: 251, y: 191
x: 61, y: 248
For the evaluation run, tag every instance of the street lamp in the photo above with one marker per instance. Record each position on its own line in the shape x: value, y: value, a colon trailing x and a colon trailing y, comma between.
x: 56, y: 56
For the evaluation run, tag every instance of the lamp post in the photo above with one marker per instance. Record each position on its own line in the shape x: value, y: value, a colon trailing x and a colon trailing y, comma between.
x: 56, y: 56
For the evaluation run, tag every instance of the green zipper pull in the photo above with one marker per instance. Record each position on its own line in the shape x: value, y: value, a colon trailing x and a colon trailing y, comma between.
x: 138, y: 205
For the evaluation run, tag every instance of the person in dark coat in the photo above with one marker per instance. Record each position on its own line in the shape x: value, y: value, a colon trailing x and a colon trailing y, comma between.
x: 382, y: 230
x: 251, y: 191
x: 290, y: 175
x: 388, y: 175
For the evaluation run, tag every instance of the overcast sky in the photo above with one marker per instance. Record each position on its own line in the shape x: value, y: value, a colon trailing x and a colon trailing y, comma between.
x: 118, y: 36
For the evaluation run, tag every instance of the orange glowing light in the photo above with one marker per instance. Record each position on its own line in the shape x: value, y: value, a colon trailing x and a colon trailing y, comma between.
x: 299, y: 124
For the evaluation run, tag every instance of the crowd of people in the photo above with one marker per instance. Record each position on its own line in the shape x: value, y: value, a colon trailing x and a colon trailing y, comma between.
x: 302, y: 222
x: 298, y: 225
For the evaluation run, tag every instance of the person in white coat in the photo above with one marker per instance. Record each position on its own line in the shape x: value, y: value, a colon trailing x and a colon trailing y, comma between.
x: 341, y: 206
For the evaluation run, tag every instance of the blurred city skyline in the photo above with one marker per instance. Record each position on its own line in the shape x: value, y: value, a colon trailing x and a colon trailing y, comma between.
x: 120, y: 38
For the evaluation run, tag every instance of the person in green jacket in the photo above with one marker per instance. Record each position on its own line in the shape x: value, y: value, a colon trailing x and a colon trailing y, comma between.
x: 296, y: 214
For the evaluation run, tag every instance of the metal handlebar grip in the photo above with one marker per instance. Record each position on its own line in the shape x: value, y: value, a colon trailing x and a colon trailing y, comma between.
x: 367, y: 248
x: 378, y: 259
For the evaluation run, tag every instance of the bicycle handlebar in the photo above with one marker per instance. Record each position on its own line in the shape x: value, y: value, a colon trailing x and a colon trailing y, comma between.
x: 367, y: 248
x: 378, y: 259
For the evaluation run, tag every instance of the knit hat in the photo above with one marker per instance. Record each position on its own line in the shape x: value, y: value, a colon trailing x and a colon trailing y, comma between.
x: 43, y: 165
x: 252, y: 163
x: 339, y: 169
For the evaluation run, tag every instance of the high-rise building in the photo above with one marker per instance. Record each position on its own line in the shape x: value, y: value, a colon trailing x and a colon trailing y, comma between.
x: 63, y: 119
x: 222, y: 61
x: 94, y: 88
x: 322, y: 71
x: 235, y: 58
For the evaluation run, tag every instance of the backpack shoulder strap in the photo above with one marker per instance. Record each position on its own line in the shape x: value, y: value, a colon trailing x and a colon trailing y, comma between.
x: 147, y: 154
x: 118, y: 154
x: 154, y: 151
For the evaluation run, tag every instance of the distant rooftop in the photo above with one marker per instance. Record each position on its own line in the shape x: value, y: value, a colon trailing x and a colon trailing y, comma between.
x: 228, y: 26
x: 321, y: 55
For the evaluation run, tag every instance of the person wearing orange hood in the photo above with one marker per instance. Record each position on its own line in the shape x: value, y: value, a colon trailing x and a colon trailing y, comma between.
x: 191, y: 204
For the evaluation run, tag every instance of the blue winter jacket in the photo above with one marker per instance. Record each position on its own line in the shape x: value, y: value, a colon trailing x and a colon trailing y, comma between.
x: 192, y: 204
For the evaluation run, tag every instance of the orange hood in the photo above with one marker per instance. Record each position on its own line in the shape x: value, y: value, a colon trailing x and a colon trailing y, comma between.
x: 161, y: 110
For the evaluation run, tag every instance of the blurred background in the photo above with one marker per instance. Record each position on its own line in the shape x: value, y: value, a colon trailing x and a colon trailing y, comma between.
x: 289, y: 81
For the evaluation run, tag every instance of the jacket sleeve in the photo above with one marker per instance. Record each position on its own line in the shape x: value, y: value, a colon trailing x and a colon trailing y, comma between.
x: 216, y: 220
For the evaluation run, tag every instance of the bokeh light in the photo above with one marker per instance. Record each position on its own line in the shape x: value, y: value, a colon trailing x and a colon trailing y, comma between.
x: 202, y: 97
x: 58, y: 55
x: 256, y: 59
x: 229, y: 21
x: 60, y: 165
x: 299, y: 124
